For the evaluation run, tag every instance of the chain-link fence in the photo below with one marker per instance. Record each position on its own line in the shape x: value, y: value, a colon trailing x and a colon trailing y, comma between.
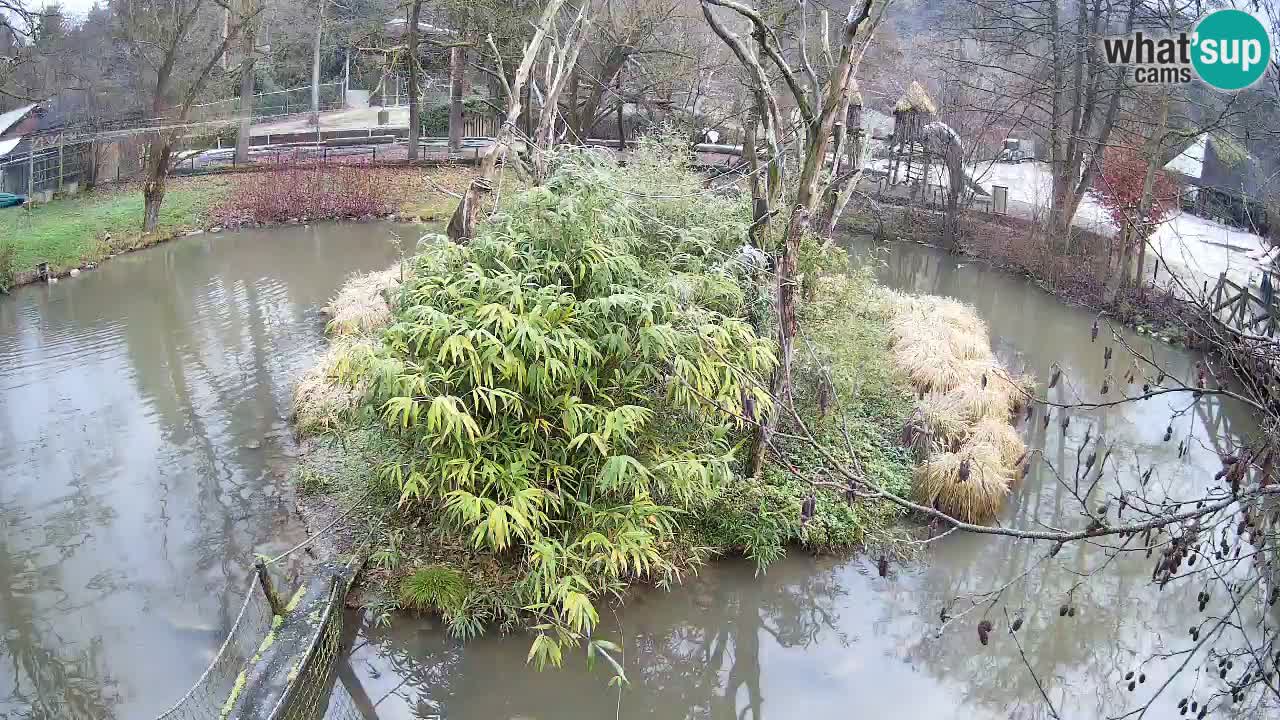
x: 208, y: 698
x: 290, y: 666
x: 38, y: 168
x: 308, y: 695
x: 271, y: 104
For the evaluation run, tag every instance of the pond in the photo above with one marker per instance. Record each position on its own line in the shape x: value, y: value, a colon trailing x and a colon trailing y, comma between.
x: 144, y: 446
x: 828, y: 638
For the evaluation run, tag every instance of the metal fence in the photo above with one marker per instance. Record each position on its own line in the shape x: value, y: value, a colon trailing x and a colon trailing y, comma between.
x: 208, y: 698
x: 271, y: 104
x: 45, y: 169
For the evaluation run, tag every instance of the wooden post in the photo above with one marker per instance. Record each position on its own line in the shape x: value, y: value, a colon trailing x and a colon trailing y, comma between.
x: 268, y: 588
x: 61, y: 165
x: 31, y: 171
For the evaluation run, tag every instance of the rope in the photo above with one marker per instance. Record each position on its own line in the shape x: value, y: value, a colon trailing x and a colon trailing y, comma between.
x: 326, y: 529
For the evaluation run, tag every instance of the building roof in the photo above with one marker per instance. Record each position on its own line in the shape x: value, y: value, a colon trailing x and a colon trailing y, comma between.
x: 1216, y: 160
x: 915, y: 99
x: 13, y: 117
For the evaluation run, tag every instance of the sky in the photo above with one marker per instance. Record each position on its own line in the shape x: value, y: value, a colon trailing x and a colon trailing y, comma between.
x: 76, y: 8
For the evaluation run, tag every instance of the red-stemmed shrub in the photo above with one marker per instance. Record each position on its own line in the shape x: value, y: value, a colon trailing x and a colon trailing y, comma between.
x: 309, y: 191
x: 1119, y: 189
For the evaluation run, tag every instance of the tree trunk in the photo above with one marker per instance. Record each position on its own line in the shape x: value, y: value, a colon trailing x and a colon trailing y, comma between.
x: 1134, y: 234
x: 462, y: 225
x: 457, y: 76
x: 415, y: 11
x: 760, y: 206
x: 787, y: 327
x: 158, y: 154
x: 249, y: 48
x: 622, y: 127
x: 315, y: 69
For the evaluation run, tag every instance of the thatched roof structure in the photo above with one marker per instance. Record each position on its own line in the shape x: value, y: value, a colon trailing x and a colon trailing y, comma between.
x: 915, y: 99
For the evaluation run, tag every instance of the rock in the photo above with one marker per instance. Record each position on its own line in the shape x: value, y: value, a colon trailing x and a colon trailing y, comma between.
x: 75, y: 272
x: 292, y: 221
x: 189, y: 233
x: 215, y: 229
x: 253, y: 445
x: 53, y: 280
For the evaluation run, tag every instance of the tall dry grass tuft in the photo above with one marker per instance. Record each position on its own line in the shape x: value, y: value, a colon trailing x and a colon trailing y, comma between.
x: 971, y: 484
x: 361, y: 309
x: 967, y: 404
x: 361, y: 306
x: 325, y: 394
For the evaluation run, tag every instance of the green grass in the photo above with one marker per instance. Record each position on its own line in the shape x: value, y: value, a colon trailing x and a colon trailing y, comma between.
x: 69, y: 232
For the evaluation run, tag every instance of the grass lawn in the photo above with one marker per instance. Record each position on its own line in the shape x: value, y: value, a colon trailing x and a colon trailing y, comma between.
x: 69, y: 232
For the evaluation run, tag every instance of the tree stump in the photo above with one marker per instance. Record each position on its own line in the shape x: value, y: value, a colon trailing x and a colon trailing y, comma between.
x: 463, y: 223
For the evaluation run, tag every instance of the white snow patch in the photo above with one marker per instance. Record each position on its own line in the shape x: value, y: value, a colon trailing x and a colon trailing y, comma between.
x: 1197, y: 250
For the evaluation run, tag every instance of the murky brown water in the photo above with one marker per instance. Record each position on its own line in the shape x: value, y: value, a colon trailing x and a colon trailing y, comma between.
x: 828, y: 638
x: 144, y: 441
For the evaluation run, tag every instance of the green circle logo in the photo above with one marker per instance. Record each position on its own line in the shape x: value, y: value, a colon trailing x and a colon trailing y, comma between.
x: 1232, y: 49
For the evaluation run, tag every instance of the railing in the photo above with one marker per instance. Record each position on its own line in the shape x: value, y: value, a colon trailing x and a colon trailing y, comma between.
x: 271, y: 104
x: 1245, y: 311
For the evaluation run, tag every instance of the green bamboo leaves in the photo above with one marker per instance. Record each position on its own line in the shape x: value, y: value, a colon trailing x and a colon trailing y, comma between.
x: 568, y: 385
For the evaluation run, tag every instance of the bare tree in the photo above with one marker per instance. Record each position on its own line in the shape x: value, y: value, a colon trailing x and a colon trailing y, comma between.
x: 1046, y: 57
x: 164, y: 37
x: 248, y: 61
x: 415, y: 74
x: 462, y: 224
x: 315, y: 64
x: 817, y: 108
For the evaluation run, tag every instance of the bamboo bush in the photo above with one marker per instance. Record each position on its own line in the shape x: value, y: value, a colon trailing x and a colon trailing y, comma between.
x: 564, y: 388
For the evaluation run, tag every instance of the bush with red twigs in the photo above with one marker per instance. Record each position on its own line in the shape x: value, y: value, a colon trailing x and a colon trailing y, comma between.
x: 309, y: 192
x: 1119, y: 189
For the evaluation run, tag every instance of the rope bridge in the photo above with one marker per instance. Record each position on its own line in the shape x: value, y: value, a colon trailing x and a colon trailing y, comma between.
x: 282, y: 660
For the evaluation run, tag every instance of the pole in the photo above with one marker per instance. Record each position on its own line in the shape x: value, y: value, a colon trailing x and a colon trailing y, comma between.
x: 61, y: 163
x: 346, y: 76
x: 31, y: 171
x: 268, y: 588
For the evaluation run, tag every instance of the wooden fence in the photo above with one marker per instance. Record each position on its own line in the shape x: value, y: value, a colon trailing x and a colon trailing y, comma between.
x: 1242, y: 310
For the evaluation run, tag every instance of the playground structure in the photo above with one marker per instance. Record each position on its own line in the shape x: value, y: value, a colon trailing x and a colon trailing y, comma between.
x: 918, y: 140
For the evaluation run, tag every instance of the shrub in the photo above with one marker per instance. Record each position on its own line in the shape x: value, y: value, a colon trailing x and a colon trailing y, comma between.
x: 311, y: 191
x: 557, y: 398
x: 434, y: 588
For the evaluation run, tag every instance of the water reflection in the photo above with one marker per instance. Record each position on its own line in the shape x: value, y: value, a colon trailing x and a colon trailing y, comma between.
x: 819, y: 638
x: 144, y: 442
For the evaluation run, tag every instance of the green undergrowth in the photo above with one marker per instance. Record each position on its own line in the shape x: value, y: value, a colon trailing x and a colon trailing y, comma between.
x: 846, y: 325
x: 556, y: 409
x: 69, y: 232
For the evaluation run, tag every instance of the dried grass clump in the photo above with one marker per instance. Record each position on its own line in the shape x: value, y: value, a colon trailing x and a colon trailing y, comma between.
x: 1001, y: 436
x: 947, y: 426
x: 967, y: 404
x: 915, y: 99
x: 323, y: 395
x: 361, y: 306
x: 977, y: 498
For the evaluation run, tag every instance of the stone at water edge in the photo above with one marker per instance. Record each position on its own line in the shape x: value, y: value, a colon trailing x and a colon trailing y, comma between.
x: 75, y: 272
